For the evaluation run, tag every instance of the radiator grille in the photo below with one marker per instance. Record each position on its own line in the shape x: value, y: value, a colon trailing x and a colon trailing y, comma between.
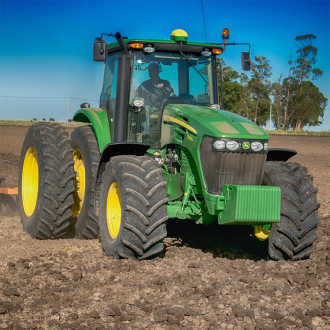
x: 221, y: 168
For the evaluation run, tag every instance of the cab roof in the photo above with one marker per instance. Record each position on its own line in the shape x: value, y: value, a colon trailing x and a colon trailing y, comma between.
x: 165, y: 45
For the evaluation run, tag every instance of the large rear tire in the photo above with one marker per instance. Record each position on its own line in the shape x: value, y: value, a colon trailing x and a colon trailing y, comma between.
x: 45, y: 183
x: 86, y: 157
x: 133, y: 210
x: 292, y: 238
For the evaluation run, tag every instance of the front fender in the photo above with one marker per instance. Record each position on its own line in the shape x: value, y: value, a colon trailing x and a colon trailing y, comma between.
x: 99, y: 120
x: 280, y: 154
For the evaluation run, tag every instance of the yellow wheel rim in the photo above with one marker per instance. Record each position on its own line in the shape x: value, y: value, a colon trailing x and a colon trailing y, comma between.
x: 260, y: 233
x: 114, y: 210
x: 30, y: 181
x: 79, y: 182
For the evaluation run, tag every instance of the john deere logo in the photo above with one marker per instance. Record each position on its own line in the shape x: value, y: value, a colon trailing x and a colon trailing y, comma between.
x: 246, y: 145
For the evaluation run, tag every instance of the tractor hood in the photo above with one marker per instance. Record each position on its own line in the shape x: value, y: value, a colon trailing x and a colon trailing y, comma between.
x: 216, y: 123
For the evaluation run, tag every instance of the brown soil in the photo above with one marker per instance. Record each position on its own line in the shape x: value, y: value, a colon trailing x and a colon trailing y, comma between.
x: 208, y: 278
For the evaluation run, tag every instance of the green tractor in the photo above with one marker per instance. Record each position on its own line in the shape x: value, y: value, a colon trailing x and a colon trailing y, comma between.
x: 160, y: 147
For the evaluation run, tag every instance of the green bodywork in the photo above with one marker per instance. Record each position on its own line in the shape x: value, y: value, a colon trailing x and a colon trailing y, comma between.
x: 183, y: 128
x: 205, y: 122
x: 237, y: 204
x: 250, y: 205
x: 98, y: 118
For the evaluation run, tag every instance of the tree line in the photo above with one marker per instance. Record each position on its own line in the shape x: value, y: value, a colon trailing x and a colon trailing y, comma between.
x: 297, y: 102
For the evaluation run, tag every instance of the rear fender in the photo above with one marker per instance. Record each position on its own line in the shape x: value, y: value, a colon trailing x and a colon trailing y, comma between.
x: 99, y: 120
x: 116, y: 149
x: 279, y: 154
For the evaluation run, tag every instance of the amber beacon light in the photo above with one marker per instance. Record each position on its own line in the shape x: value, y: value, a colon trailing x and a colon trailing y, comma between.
x: 225, y: 36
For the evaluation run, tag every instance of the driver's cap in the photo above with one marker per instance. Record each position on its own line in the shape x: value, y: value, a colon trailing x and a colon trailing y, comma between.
x: 153, y: 66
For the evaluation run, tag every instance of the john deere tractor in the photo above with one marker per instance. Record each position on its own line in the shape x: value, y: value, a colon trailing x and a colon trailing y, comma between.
x: 158, y: 147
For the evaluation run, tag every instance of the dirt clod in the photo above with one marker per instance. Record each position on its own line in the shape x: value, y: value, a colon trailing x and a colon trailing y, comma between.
x: 10, y: 292
x: 95, y: 314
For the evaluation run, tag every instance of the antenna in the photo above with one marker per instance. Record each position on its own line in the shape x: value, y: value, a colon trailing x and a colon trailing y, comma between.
x: 204, y: 21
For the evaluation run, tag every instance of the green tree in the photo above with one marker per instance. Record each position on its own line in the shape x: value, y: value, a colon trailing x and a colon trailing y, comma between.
x: 307, y: 105
x: 246, y: 99
x: 259, y: 87
x: 303, y: 72
x: 286, y: 93
x: 277, y: 89
x: 306, y: 59
x: 233, y: 91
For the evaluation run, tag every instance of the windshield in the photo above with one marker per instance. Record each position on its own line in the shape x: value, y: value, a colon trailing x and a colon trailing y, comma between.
x: 166, y: 78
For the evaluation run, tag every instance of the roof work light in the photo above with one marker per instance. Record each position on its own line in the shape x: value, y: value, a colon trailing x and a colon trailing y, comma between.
x: 217, y: 51
x: 137, y: 45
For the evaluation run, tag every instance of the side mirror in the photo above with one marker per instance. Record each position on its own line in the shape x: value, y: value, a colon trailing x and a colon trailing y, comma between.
x: 100, y: 50
x: 246, y: 62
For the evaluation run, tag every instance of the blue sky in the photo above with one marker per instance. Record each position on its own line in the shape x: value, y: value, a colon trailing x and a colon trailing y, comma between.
x: 46, y: 46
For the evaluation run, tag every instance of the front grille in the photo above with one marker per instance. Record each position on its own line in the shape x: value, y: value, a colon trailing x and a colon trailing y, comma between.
x: 239, y: 168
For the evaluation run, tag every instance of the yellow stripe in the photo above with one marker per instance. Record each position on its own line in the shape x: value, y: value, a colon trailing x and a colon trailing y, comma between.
x: 179, y: 122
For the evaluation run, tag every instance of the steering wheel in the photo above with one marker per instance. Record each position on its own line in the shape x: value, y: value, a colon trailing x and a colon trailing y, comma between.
x: 186, y: 96
x: 173, y: 100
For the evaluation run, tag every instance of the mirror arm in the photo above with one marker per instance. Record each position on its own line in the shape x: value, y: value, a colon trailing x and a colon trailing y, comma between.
x: 121, y: 43
x: 119, y: 39
x: 235, y: 44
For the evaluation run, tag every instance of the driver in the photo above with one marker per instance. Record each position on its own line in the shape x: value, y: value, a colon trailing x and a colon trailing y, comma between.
x: 155, y: 89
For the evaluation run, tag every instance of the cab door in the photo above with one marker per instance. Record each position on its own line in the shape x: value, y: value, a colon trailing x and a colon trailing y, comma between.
x: 109, y: 87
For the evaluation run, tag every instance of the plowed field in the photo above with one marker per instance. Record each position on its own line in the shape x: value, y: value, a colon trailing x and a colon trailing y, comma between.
x: 209, y: 277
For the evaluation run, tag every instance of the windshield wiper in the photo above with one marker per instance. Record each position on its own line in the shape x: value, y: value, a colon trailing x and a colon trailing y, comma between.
x: 186, y: 58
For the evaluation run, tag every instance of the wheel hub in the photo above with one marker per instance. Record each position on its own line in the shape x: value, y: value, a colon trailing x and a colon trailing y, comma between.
x: 79, y: 182
x: 114, y: 210
x: 261, y: 233
x: 30, y: 181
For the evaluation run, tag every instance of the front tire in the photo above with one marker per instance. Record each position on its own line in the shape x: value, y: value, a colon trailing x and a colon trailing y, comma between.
x: 45, y: 184
x: 133, y: 210
x: 292, y: 238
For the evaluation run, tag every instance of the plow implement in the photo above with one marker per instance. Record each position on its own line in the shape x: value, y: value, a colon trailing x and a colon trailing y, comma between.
x: 8, y: 199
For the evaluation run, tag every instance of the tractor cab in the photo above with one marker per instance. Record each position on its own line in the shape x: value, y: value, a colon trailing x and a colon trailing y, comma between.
x: 158, y: 73
x: 164, y: 78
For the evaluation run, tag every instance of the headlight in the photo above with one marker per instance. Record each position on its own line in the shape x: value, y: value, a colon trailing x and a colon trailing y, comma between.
x: 232, y: 145
x: 266, y: 146
x: 138, y: 103
x: 219, y: 144
x: 256, y: 146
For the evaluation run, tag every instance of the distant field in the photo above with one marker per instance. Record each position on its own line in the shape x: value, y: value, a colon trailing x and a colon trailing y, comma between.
x: 325, y: 133
x: 74, y: 124
x: 30, y: 122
